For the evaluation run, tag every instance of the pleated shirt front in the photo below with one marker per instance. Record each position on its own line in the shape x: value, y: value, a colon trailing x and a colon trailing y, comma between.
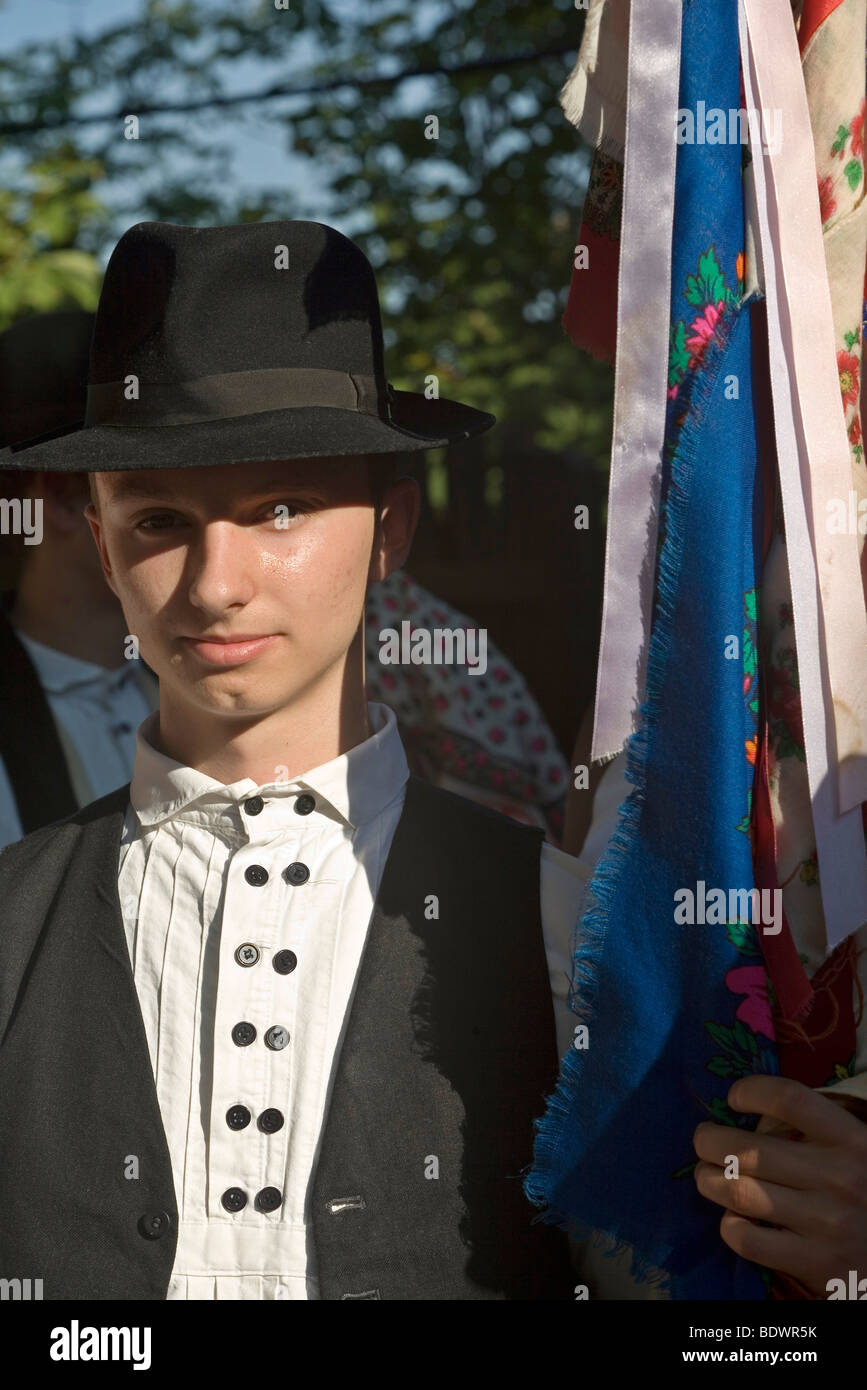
x: 222, y: 888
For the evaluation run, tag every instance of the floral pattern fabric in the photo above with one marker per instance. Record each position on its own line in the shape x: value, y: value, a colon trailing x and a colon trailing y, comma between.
x: 483, y: 736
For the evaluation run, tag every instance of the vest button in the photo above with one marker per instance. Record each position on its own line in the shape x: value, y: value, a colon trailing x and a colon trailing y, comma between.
x: 154, y: 1224
x: 277, y: 1037
x: 285, y: 962
x: 243, y: 1034
x: 270, y: 1121
x: 296, y: 874
x: 268, y: 1199
x: 238, y: 1117
x: 305, y: 804
x: 256, y: 875
x: 254, y: 805
x: 234, y: 1199
x: 247, y: 954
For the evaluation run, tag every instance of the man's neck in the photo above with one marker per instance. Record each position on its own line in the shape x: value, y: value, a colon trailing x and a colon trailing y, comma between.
x: 55, y: 607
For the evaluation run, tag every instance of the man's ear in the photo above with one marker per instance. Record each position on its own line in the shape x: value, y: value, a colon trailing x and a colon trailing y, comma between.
x: 96, y: 530
x: 396, y: 523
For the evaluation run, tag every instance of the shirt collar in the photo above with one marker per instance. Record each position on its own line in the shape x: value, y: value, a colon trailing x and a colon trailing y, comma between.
x: 60, y: 673
x: 357, y: 785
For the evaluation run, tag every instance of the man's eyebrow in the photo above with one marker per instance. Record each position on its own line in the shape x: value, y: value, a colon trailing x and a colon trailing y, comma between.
x: 129, y: 487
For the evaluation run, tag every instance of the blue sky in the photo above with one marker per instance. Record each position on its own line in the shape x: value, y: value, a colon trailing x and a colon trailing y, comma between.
x: 257, y: 142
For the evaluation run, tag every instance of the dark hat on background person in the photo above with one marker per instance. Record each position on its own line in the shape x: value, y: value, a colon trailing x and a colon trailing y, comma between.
x: 43, y: 376
x: 238, y: 344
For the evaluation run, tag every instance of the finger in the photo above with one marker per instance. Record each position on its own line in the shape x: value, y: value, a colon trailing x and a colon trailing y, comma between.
x: 758, y: 1155
x: 780, y: 1250
x: 808, y: 1111
x: 798, y: 1212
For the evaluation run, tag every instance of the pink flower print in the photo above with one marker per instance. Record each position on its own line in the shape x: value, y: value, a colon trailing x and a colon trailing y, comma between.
x: 496, y: 735
x: 439, y: 615
x: 754, y: 1010
x: 521, y: 716
x: 390, y: 602
x: 497, y: 777
x: 703, y: 328
x: 440, y: 702
x: 496, y: 701
x: 554, y: 775
x: 827, y: 201
x: 480, y: 759
x: 464, y: 692
x: 539, y: 744
x: 500, y: 674
x: 410, y: 605
x: 856, y: 129
x: 388, y: 680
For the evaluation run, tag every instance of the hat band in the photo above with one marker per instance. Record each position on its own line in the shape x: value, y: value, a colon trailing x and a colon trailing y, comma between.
x: 144, y: 405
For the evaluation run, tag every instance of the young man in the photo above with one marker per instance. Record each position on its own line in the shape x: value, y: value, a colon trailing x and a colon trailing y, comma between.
x: 276, y: 1019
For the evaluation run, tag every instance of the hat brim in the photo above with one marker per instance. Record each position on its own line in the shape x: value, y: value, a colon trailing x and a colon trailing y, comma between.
x: 302, y: 432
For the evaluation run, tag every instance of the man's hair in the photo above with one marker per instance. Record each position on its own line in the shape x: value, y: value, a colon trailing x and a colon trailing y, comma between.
x: 382, y: 471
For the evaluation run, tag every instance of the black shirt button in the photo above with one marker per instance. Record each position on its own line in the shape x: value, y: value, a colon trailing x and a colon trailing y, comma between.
x: 243, y: 1034
x: 238, y: 1117
x: 305, y: 804
x: 270, y: 1121
x: 296, y: 874
x: 285, y: 962
x: 247, y: 954
x: 256, y: 875
x: 234, y: 1199
x: 154, y: 1224
x: 277, y: 1038
x: 254, y: 805
x: 268, y: 1199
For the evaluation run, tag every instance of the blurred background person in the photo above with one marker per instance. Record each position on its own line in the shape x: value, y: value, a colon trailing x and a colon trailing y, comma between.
x: 70, y: 701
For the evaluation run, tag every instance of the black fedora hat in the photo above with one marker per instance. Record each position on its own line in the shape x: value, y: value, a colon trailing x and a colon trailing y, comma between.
x: 43, y: 376
x: 236, y: 344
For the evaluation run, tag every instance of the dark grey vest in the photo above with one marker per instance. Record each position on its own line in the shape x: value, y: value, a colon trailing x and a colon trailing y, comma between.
x: 447, y: 1059
x: 30, y: 746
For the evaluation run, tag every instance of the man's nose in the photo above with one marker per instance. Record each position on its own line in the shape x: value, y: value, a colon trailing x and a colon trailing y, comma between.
x: 220, y: 566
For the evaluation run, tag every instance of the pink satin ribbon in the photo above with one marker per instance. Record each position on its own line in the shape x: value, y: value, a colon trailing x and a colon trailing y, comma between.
x: 641, y: 367
x: 814, y: 463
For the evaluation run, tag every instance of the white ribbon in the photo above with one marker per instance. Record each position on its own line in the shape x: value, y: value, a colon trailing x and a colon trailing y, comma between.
x: 814, y: 463
x: 641, y: 368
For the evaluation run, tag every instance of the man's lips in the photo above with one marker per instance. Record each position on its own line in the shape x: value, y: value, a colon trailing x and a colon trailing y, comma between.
x: 222, y: 651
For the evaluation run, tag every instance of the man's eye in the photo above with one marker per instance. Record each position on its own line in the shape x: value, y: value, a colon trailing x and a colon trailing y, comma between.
x: 148, y: 522
x: 280, y: 514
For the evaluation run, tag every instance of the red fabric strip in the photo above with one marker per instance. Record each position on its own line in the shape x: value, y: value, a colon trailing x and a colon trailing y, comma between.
x: 590, y: 317
x: 814, y: 13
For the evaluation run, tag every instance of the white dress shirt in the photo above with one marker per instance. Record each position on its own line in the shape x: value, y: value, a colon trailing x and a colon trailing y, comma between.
x: 189, y: 843
x: 97, y: 712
